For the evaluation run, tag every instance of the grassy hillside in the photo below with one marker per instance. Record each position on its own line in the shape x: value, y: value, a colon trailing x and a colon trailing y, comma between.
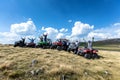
x: 17, y: 64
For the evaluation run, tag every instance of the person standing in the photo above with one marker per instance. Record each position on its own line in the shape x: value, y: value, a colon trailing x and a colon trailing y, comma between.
x: 45, y: 37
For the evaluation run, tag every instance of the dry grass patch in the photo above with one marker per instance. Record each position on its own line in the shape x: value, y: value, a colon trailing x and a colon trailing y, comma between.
x: 7, y: 65
x: 56, y: 65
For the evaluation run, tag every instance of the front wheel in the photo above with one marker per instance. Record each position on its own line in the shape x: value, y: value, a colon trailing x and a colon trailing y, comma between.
x: 75, y: 52
x: 15, y: 45
x: 52, y: 47
x: 58, y: 48
x: 87, y: 56
x: 95, y: 55
x: 44, y: 47
x: 80, y: 53
x: 68, y: 49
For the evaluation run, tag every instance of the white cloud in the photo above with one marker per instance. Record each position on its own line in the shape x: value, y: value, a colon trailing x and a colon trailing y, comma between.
x: 60, y: 35
x: 116, y: 24
x: 79, y: 31
x: 50, y: 30
x: 98, y: 35
x: 80, y: 28
x: 17, y: 31
x: 8, y: 37
x: 63, y: 30
x: 70, y: 21
x: 25, y: 28
x: 55, y: 33
x: 106, y: 32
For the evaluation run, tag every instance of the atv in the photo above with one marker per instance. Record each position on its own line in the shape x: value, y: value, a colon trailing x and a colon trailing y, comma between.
x: 88, y: 53
x: 60, y: 44
x: 73, y: 47
x: 56, y: 45
x: 20, y: 43
x: 43, y: 44
x: 31, y: 43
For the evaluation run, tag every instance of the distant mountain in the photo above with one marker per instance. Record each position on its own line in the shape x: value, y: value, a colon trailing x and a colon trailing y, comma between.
x: 106, y: 42
x: 115, y: 41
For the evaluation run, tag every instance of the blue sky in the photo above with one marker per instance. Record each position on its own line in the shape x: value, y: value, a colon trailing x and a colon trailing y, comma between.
x: 59, y: 14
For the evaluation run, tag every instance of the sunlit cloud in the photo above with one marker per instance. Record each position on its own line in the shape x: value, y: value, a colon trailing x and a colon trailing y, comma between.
x: 69, y: 21
x: 18, y: 30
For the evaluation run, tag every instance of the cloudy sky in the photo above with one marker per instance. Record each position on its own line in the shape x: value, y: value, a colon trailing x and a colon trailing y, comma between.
x: 72, y: 19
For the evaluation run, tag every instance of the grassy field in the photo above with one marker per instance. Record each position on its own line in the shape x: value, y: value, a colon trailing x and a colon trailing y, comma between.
x: 16, y: 64
x: 108, y: 48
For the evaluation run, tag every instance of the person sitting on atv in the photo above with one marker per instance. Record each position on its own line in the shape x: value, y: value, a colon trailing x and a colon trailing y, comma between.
x: 59, y: 40
x: 64, y: 44
x: 41, y: 38
x: 31, y: 40
x: 20, y: 43
x: 22, y: 40
x: 90, y: 45
x: 77, y: 45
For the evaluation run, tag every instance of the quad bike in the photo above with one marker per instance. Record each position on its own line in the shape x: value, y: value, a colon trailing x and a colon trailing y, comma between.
x: 88, y: 53
x: 60, y: 44
x: 20, y: 43
x: 72, y: 47
x: 56, y: 44
x: 43, y: 44
x: 31, y: 44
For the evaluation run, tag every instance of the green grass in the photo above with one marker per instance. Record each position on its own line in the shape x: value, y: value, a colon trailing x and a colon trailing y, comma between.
x: 107, y: 48
x: 110, y: 47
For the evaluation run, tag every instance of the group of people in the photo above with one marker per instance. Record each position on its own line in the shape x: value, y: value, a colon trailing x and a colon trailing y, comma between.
x: 42, y: 38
